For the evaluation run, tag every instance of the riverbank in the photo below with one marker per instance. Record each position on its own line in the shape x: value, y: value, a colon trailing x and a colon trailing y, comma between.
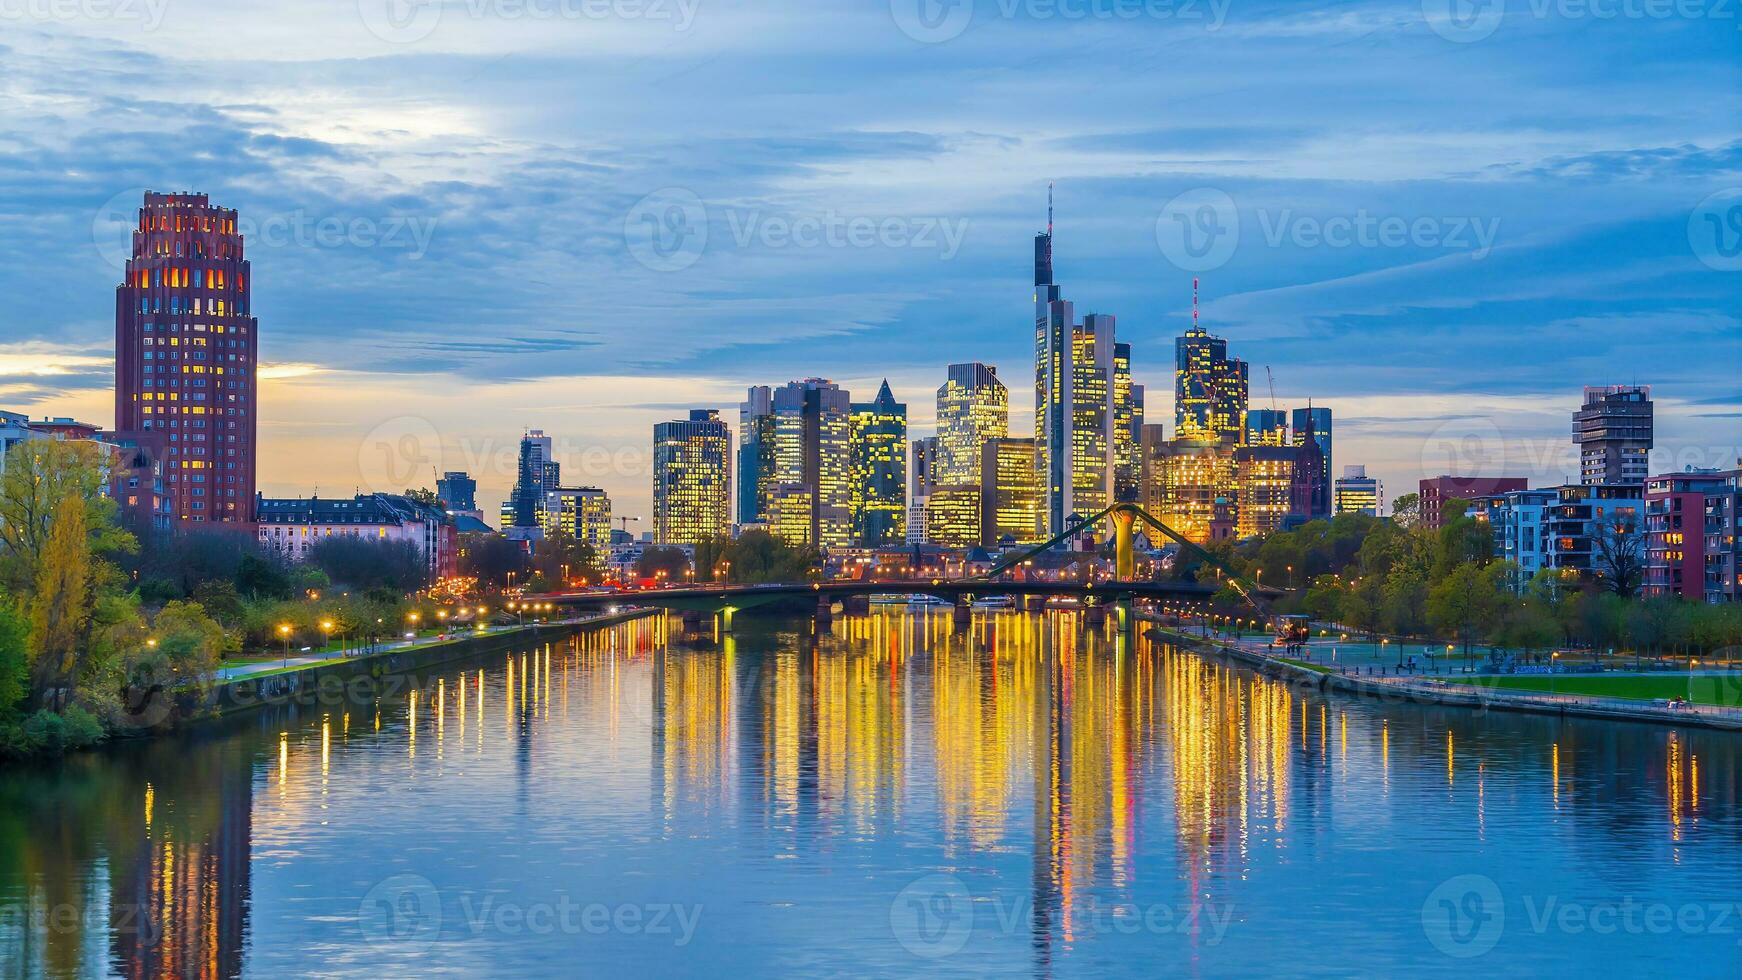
x: 338, y: 680
x: 1424, y: 690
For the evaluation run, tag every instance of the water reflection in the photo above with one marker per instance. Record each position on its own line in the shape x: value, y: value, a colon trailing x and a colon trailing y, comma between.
x: 1059, y: 771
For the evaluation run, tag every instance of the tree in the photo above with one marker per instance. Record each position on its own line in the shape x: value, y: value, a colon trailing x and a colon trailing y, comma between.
x: 1465, y: 604
x: 491, y: 558
x: 14, y: 657
x: 1406, y: 510
x: 365, y: 562
x: 40, y: 476
x: 184, y: 643
x: 425, y: 496
x: 561, y: 556
x: 221, y: 601
x: 1618, y: 554
x: 756, y: 556
x: 672, y: 561
x: 61, y: 607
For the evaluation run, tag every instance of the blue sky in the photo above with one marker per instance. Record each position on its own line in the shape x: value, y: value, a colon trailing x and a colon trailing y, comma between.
x: 477, y: 216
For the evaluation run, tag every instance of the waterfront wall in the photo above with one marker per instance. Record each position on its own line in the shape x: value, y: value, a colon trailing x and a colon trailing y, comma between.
x: 1439, y: 693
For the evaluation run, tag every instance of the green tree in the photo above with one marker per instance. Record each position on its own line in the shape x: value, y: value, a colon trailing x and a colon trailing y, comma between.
x: 1467, y: 602
x: 672, y: 561
x: 14, y: 657
x: 40, y: 476
x: 61, y: 605
x: 184, y: 643
x: 1406, y: 510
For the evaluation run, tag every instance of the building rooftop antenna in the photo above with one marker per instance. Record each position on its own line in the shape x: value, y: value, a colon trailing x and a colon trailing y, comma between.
x: 1194, y: 302
x: 1049, y: 209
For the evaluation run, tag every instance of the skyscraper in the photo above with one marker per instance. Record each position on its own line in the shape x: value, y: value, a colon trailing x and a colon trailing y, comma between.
x: 1009, y: 493
x: 692, y: 479
x: 1127, y: 428
x: 1209, y: 387
x: 582, y: 513
x: 458, y: 491
x: 1266, y: 427
x: 755, y: 426
x: 1264, y: 479
x: 1613, y: 430
x: 879, y: 470
x: 973, y: 408
x: 1317, y: 421
x: 186, y: 351
x: 810, y: 460
x: 926, y: 453
x: 1073, y: 399
x: 537, y: 474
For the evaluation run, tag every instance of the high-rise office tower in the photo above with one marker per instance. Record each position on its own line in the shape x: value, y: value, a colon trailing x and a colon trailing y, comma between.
x: 582, y: 513
x: 1127, y: 428
x: 1152, y: 448
x: 458, y: 491
x: 1073, y: 399
x: 692, y: 479
x: 1009, y: 493
x: 811, y: 463
x: 1357, y: 493
x: 755, y: 425
x: 1318, y: 422
x: 1264, y: 479
x: 1613, y: 430
x: 879, y: 470
x: 186, y: 350
x: 973, y: 409
x: 537, y: 474
x: 1209, y: 387
x: 1267, y: 427
x: 926, y: 453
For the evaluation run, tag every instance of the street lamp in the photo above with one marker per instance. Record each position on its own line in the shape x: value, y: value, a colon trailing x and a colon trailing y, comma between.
x: 284, y: 634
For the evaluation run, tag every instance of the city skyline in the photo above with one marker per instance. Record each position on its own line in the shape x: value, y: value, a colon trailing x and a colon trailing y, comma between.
x: 373, y: 283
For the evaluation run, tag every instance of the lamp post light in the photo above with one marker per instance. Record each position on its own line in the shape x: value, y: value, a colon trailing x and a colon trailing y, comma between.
x: 284, y: 635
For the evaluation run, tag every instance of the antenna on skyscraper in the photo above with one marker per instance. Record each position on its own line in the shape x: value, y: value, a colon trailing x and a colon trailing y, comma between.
x: 1049, y: 209
x: 1194, y: 302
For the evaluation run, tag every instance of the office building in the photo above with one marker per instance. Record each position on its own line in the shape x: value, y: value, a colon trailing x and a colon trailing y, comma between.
x: 1009, y: 493
x: 692, y: 479
x: 1264, y: 479
x: 1073, y: 400
x: 582, y: 513
x: 1613, y: 430
x: 537, y: 474
x: 458, y: 492
x: 755, y: 430
x: 810, y: 463
x: 878, y: 450
x: 1197, y: 476
x: 926, y: 454
x: 1127, y: 428
x: 1357, y: 493
x: 186, y: 351
x: 1210, y: 388
x: 973, y: 408
x: 1267, y: 427
x: 952, y: 516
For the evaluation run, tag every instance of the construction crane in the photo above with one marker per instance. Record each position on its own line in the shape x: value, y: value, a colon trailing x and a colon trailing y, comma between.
x: 1272, y: 379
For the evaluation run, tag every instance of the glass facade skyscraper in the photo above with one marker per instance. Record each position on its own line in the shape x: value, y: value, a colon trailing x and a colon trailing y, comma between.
x: 879, y: 470
x: 973, y: 408
x: 1127, y: 428
x: 692, y: 479
x: 809, y: 464
x: 755, y: 426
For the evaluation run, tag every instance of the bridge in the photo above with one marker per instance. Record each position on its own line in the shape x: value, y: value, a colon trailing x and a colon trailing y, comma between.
x: 1097, y: 597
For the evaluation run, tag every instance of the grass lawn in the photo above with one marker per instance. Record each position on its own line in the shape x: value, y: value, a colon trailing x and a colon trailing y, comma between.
x: 1717, y: 689
x: 1316, y: 668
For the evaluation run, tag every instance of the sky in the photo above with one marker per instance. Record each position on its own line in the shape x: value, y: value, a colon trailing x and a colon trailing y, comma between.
x: 467, y: 218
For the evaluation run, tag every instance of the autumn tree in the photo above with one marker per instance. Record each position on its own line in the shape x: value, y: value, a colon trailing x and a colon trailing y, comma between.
x: 61, y: 605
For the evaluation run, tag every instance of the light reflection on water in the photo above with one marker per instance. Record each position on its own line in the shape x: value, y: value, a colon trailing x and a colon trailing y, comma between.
x: 897, y: 795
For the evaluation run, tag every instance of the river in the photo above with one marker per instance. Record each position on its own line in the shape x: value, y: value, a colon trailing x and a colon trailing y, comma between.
x: 897, y: 795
